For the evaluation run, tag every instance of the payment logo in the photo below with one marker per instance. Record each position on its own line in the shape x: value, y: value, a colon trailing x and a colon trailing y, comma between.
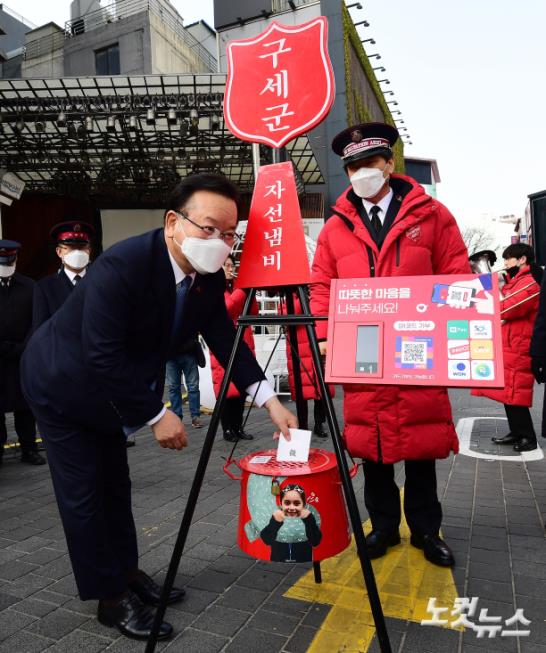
x: 457, y: 329
x: 481, y: 349
x: 483, y: 370
x: 481, y: 329
x: 459, y: 349
x: 457, y: 369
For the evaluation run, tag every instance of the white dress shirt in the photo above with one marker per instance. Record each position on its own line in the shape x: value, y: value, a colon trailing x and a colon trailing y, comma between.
x: 71, y: 274
x: 262, y: 389
x: 383, y: 204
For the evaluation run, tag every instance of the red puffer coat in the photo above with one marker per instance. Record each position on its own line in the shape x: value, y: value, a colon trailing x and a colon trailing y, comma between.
x: 309, y: 382
x: 517, y: 330
x: 235, y: 301
x: 388, y: 423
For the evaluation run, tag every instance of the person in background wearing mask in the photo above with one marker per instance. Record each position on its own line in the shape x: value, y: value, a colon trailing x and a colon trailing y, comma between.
x: 15, y: 327
x: 234, y: 406
x: 518, y: 307
x: 385, y: 225
x: 73, y: 239
x: 96, y: 370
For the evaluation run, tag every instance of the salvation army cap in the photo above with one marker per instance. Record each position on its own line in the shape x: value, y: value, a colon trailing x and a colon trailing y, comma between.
x: 72, y: 232
x: 8, y: 251
x: 363, y: 141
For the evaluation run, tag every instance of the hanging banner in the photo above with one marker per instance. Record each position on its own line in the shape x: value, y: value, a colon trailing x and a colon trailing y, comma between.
x: 274, y: 253
x: 428, y: 330
x: 280, y: 84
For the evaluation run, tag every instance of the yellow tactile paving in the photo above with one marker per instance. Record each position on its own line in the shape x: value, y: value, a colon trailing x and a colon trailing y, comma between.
x: 405, y: 581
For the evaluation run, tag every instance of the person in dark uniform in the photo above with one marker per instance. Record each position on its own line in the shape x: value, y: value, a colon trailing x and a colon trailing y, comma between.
x: 101, y: 359
x: 385, y: 225
x: 73, y: 240
x: 15, y: 327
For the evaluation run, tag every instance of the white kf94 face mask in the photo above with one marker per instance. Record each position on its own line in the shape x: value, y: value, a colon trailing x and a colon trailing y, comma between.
x: 367, y: 182
x: 76, y: 259
x: 205, y: 255
x: 6, y: 271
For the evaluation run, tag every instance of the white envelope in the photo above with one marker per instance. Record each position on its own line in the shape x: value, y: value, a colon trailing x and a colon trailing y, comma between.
x: 297, y: 449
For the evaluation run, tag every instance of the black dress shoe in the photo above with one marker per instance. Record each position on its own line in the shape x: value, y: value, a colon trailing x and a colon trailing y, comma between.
x: 507, y: 439
x: 231, y: 436
x: 132, y: 618
x: 32, y: 458
x: 434, y: 548
x: 149, y: 592
x: 377, y: 542
x: 319, y: 431
x: 243, y: 434
x: 525, y: 444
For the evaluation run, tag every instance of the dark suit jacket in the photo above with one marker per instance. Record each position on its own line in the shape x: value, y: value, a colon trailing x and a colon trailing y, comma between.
x: 15, y: 328
x: 94, y: 361
x: 50, y: 293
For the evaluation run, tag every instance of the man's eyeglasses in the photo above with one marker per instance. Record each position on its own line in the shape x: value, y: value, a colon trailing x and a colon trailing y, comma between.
x: 229, y: 237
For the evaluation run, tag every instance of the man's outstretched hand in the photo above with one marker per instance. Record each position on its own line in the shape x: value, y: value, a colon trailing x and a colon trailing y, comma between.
x: 170, y: 432
x: 281, y: 417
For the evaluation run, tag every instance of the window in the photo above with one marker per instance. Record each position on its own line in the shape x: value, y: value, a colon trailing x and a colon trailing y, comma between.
x: 107, y: 60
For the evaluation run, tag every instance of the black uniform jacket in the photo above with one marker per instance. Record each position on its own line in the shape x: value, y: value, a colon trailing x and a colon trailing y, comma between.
x: 94, y: 363
x: 50, y: 293
x: 15, y: 329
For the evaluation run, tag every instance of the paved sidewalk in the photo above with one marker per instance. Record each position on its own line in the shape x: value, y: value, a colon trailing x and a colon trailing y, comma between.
x: 494, y: 521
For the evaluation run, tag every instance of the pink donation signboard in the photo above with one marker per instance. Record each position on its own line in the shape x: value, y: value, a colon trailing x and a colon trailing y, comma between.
x: 429, y: 330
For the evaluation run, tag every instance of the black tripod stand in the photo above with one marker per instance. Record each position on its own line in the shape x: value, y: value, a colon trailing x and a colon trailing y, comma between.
x: 291, y: 321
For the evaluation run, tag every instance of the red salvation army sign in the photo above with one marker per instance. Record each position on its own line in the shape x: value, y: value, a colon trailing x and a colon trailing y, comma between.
x: 274, y: 253
x: 429, y: 330
x: 280, y: 84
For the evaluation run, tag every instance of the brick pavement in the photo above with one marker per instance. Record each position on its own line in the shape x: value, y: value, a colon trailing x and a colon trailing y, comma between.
x: 494, y: 521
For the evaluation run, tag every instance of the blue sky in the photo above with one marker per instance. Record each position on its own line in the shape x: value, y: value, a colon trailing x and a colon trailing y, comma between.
x: 468, y: 77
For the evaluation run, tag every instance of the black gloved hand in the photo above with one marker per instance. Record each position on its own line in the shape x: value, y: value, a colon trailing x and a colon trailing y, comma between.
x: 538, y: 367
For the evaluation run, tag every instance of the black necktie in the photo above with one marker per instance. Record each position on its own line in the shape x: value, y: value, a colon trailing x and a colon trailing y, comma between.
x: 4, y: 282
x: 77, y: 279
x: 376, y: 222
x: 181, y: 292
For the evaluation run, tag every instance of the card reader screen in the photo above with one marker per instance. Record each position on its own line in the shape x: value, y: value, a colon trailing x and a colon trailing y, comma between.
x: 367, y: 349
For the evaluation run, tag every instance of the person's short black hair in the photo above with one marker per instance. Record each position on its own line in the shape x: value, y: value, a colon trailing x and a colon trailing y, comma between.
x: 517, y: 250
x: 182, y: 192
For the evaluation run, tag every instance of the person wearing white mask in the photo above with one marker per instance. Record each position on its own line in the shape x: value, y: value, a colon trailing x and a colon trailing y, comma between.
x: 96, y: 370
x: 385, y: 225
x: 73, y: 247
x: 15, y: 327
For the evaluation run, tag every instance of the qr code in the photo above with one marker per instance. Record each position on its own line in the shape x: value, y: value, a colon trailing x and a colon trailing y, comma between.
x: 414, y: 353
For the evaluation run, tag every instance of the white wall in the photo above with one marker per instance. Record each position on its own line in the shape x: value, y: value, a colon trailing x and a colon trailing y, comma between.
x: 120, y: 224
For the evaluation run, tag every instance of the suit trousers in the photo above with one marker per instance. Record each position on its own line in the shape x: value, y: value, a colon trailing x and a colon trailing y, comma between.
x: 422, y: 509
x: 233, y: 413
x: 25, y: 427
x: 520, y: 422
x: 93, y: 490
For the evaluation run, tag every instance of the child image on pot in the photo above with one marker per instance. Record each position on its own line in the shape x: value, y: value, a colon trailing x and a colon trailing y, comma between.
x: 293, y: 507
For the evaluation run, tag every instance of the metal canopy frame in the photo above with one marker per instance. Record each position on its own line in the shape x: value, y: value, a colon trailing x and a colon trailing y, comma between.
x: 126, y: 138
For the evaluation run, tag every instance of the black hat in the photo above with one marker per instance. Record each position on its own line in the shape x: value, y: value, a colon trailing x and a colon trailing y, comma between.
x: 73, y: 232
x: 366, y: 140
x: 8, y: 251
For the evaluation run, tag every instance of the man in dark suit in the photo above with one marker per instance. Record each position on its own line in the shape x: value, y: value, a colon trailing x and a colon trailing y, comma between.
x: 73, y: 247
x: 97, y: 367
x: 15, y: 327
